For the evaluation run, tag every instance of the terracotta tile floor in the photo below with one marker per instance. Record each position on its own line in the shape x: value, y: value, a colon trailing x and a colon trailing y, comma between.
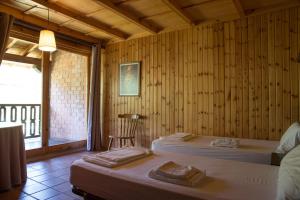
x: 48, y: 179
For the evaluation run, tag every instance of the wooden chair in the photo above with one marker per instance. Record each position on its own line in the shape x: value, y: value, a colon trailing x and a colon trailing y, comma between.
x: 127, y: 129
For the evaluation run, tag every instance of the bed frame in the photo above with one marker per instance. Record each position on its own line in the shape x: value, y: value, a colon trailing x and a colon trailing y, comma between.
x: 85, y: 195
x: 276, y: 158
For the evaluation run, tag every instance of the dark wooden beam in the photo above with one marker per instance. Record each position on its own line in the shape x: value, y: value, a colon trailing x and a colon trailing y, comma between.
x: 273, y: 8
x: 175, y: 7
x: 127, y: 15
x: 239, y: 8
x: 29, y: 9
x: 33, y: 36
x: 22, y: 59
x: 29, y: 49
x: 80, y: 17
x: 11, y: 43
x: 44, y: 24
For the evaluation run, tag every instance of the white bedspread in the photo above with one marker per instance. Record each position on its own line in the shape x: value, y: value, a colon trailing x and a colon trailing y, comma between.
x: 250, y: 150
x: 225, y: 179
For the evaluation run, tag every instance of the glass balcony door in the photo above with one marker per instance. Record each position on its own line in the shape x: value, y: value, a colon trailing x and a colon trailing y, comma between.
x: 20, y: 99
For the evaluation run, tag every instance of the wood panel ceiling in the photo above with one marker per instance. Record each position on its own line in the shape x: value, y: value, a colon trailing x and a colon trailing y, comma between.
x: 115, y: 20
x: 18, y: 50
x: 22, y: 48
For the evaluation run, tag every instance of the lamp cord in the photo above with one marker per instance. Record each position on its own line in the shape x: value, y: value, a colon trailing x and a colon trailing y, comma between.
x: 27, y: 4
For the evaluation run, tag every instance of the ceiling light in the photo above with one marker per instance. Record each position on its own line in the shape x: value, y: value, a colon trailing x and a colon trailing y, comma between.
x: 47, y: 39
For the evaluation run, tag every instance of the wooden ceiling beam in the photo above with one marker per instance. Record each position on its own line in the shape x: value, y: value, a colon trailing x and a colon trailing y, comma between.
x: 29, y: 9
x: 33, y: 36
x: 157, y: 14
x: 239, y: 8
x: 94, y: 12
x: 125, y: 1
x: 44, y: 24
x: 80, y: 17
x: 128, y: 16
x: 11, y: 43
x: 175, y: 7
x: 21, y: 59
x: 198, y: 4
x: 29, y: 49
x: 67, y: 22
x: 268, y: 9
x: 162, y: 13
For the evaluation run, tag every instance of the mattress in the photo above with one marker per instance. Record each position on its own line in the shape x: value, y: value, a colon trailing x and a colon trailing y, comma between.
x: 225, y: 179
x: 250, y: 150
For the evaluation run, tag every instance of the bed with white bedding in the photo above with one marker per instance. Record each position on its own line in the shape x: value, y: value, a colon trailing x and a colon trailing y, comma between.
x: 249, y: 150
x: 226, y: 179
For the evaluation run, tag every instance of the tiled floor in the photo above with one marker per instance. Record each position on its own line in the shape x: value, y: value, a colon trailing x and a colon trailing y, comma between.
x: 48, y: 179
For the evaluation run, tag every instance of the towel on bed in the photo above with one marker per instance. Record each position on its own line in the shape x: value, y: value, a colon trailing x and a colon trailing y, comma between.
x: 225, y: 142
x: 117, y: 157
x: 180, y: 136
x: 174, y: 170
x: 177, y: 174
x: 123, y: 154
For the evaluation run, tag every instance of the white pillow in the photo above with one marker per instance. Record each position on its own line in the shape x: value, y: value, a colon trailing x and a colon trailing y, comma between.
x: 288, y: 186
x: 290, y: 139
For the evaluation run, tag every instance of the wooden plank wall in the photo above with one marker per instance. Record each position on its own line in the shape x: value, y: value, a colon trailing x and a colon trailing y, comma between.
x: 236, y: 79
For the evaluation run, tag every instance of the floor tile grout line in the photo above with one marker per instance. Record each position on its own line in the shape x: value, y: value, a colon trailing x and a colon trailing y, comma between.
x: 61, y: 184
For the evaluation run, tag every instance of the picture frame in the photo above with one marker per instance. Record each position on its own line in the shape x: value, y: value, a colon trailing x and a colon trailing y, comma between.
x: 129, y: 79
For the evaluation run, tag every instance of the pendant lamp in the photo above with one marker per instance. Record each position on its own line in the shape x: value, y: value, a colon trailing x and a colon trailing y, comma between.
x: 47, y: 39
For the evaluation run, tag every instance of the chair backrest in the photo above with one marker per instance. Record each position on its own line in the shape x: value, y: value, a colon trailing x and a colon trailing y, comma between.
x: 128, y: 124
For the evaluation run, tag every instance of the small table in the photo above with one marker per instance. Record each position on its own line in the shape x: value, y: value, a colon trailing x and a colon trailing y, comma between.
x: 12, y: 156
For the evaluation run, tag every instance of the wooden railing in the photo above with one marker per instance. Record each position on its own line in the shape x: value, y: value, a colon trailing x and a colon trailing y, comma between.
x: 27, y: 114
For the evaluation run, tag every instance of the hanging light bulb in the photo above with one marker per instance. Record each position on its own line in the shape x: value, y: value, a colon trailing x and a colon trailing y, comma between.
x: 47, y: 39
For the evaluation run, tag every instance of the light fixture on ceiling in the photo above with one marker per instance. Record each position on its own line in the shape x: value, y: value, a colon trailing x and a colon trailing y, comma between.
x: 47, y: 39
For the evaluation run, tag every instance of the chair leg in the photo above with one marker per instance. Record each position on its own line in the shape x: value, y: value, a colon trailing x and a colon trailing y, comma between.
x: 131, y: 141
x: 121, y: 143
x: 110, y: 143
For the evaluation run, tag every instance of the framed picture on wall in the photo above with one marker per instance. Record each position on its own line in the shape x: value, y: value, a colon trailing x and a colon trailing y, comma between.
x: 129, y: 79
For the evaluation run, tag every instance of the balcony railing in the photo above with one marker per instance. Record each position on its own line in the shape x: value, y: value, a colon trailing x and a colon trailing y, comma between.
x: 27, y: 114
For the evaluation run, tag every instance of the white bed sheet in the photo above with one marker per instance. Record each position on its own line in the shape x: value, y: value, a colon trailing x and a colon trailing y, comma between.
x: 250, y: 150
x: 226, y: 179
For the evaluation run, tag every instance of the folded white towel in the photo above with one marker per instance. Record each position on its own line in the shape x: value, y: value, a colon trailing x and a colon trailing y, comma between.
x: 174, y: 170
x: 123, y: 154
x: 187, y: 176
x: 225, y: 142
x: 102, y: 161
